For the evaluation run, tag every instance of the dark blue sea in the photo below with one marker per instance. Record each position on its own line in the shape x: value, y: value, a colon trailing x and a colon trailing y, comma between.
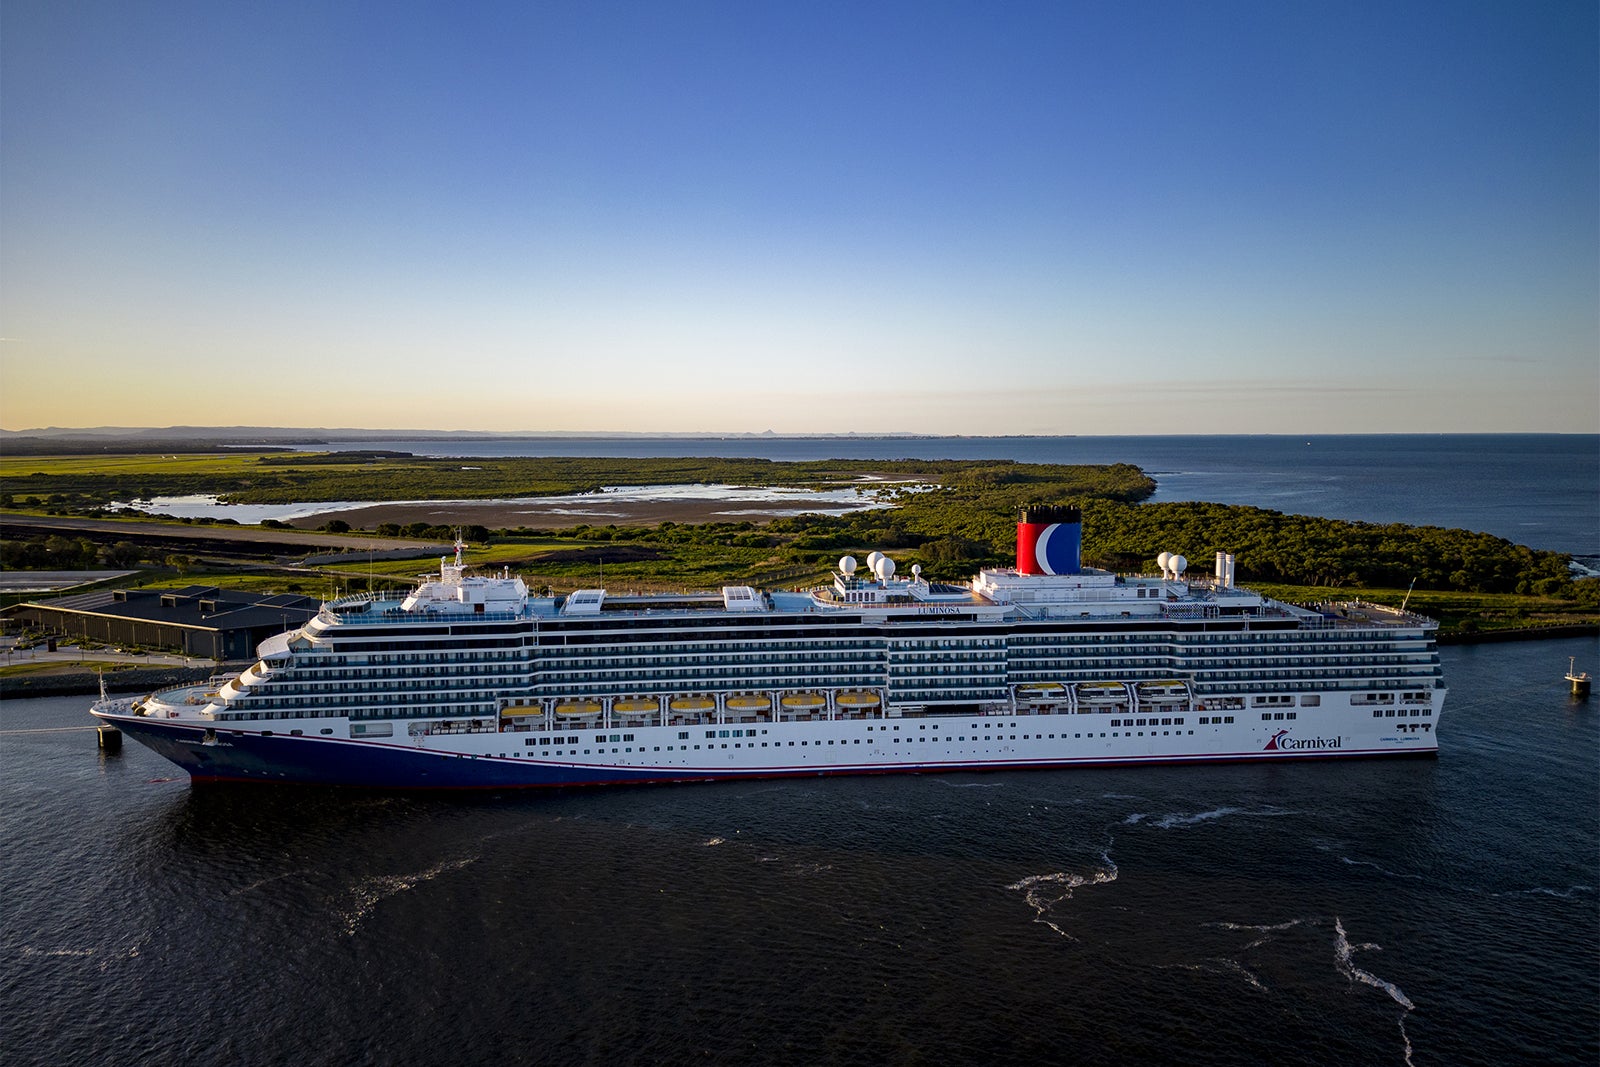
x: 1380, y: 912
x: 1374, y: 912
x: 1541, y: 490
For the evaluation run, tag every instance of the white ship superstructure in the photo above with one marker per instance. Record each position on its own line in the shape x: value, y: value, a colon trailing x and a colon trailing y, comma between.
x: 469, y: 681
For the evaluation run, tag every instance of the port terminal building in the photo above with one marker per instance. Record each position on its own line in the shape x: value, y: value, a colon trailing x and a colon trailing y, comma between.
x: 197, y: 620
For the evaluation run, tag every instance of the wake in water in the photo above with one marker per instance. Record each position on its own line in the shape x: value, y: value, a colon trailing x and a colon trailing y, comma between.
x: 1176, y: 819
x: 1569, y: 893
x: 1043, y: 892
x: 1381, y: 870
x: 370, y: 892
x: 1224, y: 965
x: 1343, y: 959
x: 1266, y: 931
x: 106, y: 955
x: 263, y: 881
x: 1230, y: 966
x: 1343, y: 951
x: 803, y: 870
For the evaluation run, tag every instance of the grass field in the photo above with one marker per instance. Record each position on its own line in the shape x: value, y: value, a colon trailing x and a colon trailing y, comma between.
x: 221, y: 464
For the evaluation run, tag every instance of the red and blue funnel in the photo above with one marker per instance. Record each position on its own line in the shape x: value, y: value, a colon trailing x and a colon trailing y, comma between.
x: 1050, y: 540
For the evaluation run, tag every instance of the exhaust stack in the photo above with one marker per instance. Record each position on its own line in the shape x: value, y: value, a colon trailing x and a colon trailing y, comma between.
x: 1050, y: 540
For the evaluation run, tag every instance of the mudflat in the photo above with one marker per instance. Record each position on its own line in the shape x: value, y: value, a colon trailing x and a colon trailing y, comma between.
x: 559, y: 514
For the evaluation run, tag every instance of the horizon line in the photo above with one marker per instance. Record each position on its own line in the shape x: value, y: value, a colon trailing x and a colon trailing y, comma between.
x: 292, y: 433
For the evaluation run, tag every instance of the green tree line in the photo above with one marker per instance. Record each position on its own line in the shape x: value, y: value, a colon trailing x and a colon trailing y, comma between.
x: 954, y: 531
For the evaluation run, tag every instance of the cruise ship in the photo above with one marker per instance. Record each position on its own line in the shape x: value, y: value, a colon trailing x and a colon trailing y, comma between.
x: 469, y: 681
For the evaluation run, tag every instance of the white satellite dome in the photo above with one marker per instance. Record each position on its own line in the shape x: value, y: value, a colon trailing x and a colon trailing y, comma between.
x: 916, y: 570
x: 847, y: 564
x: 1178, y: 564
x: 884, y: 568
x: 872, y: 561
x: 1162, y: 561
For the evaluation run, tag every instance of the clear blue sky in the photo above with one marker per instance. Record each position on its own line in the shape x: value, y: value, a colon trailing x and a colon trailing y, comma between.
x: 952, y: 218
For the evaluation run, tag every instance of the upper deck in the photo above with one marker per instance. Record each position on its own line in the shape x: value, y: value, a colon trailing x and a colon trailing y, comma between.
x: 1040, y: 589
x: 1122, y: 598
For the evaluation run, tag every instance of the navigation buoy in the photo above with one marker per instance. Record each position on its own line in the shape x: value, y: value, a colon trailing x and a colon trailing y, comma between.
x: 1579, y: 680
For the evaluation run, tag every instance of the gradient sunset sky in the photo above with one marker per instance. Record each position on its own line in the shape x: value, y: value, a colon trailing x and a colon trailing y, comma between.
x: 967, y: 218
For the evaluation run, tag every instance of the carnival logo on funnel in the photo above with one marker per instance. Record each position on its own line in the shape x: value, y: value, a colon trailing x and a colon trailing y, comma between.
x: 1041, y: 548
x: 1056, y: 549
x: 1050, y: 540
x: 1282, y: 742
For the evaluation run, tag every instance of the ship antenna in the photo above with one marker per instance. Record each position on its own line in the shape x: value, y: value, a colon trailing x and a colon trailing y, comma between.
x: 459, y: 546
x: 1407, y: 598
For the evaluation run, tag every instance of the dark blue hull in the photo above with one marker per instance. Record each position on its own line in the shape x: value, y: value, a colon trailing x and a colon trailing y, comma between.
x: 253, y: 757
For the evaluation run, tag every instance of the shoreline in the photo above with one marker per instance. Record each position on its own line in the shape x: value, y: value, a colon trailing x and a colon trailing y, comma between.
x: 1522, y: 633
x: 70, y: 682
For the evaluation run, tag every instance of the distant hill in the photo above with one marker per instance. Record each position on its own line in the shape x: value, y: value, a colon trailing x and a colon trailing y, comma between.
x: 231, y: 433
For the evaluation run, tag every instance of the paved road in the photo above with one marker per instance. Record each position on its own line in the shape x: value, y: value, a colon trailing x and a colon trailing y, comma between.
x: 219, y: 533
x: 72, y: 654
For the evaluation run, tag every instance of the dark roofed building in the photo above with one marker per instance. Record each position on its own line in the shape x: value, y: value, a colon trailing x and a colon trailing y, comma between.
x: 197, y: 620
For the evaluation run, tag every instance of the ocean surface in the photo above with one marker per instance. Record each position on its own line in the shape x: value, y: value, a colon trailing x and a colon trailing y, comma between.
x: 1541, y: 490
x: 1370, y: 912
x: 1365, y: 912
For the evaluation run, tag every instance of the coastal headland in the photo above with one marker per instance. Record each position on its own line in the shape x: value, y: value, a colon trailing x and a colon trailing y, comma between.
x: 571, y: 522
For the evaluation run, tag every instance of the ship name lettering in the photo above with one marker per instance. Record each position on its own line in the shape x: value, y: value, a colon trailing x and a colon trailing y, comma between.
x: 1310, y: 742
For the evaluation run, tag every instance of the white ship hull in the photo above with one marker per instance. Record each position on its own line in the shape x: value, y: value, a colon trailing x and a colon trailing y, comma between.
x: 298, y: 750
